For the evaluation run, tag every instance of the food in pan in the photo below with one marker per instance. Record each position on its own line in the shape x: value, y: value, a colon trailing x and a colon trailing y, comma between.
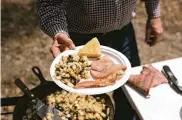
x: 149, y: 78
x: 78, y: 107
x: 91, y: 49
x: 104, y: 72
x: 30, y: 112
x: 71, y: 69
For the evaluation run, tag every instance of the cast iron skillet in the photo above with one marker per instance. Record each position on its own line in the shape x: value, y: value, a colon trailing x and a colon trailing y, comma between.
x: 41, y: 91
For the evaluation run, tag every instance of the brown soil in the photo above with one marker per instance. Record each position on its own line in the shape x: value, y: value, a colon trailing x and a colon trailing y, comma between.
x: 24, y: 45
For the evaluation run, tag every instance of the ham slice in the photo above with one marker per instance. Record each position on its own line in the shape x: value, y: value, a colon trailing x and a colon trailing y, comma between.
x: 110, y: 70
x: 142, y: 82
x: 96, y: 83
x: 159, y: 78
x: 101, y: 64
x: 150, y: 77
x: 110, y: 80
x: 105, y: 73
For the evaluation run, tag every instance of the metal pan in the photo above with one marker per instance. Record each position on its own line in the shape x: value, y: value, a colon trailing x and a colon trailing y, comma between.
x: 44, y: 89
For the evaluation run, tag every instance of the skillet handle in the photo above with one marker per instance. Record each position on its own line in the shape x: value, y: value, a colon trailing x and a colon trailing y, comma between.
x: 39, y: 74
x: 24, y: 88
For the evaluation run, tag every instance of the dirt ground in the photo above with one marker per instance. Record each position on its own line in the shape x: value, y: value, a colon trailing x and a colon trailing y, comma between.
x: 23, y: 45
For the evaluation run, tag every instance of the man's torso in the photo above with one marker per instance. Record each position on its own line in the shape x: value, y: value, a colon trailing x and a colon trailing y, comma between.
x: 98, y: 16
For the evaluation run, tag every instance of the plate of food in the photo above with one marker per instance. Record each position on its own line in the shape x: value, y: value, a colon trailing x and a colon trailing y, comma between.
x: 90, y: 69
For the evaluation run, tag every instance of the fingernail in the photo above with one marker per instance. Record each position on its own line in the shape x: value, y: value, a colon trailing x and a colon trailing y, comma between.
x: 72, y: 46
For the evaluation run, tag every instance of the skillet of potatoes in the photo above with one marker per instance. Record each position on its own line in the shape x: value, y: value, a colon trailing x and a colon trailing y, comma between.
x: 80, y: 107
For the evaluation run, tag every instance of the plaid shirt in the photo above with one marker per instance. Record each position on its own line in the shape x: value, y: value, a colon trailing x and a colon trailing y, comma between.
x: 89, y: 16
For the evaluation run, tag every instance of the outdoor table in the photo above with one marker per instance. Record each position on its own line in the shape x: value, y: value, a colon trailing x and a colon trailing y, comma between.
x: 164, y: 103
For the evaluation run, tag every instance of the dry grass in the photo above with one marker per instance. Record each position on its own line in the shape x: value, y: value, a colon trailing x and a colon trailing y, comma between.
x: 25, y: 46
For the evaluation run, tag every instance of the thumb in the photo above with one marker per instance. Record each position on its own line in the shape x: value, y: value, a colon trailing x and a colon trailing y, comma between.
x: 65, y: 40
x: 69, y: 43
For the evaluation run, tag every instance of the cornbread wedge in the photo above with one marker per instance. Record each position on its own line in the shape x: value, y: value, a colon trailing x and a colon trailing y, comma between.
x: 91, y: 49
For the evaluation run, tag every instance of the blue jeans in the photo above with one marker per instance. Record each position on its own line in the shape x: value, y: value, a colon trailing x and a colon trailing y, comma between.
x: 124, y: 41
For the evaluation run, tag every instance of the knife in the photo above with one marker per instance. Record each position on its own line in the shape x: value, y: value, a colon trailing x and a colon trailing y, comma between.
x: 172, y: 79
x: 41, y: 107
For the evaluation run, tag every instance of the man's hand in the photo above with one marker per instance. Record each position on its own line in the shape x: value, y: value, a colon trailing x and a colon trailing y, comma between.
x: 61, y: 43
x: 153, y: 31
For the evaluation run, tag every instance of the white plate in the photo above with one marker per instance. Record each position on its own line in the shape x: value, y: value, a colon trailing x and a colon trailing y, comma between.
x: 114, y: 55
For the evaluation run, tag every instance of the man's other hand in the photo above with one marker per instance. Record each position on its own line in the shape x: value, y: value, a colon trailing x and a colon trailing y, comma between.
x: 61, y: 43
x: 154, y: 31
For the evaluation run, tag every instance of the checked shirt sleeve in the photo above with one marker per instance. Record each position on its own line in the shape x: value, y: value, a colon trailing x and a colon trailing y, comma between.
x: 153, y: 8
x: 52, y: 16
